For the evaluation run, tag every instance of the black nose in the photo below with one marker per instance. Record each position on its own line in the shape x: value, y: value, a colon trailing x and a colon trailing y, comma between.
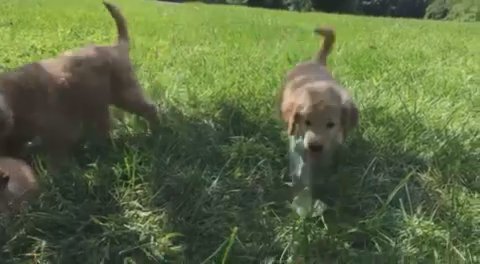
x: 315, y: 147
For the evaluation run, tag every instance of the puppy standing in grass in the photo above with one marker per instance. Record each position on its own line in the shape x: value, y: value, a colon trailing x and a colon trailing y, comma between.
x: 54, y: 98
x: 18, y: 184
x: 318, y: 111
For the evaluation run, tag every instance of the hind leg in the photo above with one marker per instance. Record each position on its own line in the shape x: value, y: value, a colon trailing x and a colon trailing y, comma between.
x: 13, y: 147
x: 16, y: 146
x: 134, y: 101
x: 102, y: 123
x: 58, y: 152
x: 59, y: 138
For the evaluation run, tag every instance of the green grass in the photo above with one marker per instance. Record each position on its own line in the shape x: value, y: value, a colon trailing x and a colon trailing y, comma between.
x: 208, y: 187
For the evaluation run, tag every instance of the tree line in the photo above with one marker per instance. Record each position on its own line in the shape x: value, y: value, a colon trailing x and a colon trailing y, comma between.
x: 459, y: 10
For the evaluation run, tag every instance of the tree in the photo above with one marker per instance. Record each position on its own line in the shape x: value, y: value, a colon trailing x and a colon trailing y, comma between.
x: 462, y: 10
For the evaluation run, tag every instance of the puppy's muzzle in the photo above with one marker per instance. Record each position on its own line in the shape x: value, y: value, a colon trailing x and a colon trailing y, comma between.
x: 315, y: 147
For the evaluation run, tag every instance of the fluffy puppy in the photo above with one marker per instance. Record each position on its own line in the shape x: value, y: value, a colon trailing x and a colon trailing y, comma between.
x: 18, y: 184
x: 318, y: 111
x: 53, y: 99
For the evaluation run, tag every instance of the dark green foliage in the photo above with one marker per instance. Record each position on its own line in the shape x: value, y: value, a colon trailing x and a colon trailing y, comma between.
x: 298, y: 5
x: 462, y: 10
x: 339, y: 6
x: 395, y: 8
x: 438, y: 9
x: 275, y: 4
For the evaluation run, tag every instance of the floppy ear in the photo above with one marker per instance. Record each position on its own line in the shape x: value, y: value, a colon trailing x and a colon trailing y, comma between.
x: 290, y: 115
x: 349, y: 118
x: 4, y: 179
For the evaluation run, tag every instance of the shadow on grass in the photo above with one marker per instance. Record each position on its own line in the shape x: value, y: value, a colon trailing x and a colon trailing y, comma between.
x: 220, y: 174
x: 379, y: 175
x: 203, y: 176
x: 196, y: 176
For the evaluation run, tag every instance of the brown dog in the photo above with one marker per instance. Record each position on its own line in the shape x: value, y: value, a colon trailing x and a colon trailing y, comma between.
x: 18, y: 184
x: 54, y: 98
x: 318, y: 111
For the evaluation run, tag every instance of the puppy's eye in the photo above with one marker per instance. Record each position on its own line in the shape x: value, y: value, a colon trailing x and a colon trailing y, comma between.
x: 330, y: 125
x: 307, y: 122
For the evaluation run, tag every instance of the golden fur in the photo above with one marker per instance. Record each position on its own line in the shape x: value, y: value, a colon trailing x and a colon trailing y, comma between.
x: 54, y: 98
x: 18, y: 184
x: 314, y: 106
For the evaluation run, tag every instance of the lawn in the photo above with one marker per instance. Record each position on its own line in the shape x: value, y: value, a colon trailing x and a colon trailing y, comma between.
x: 209, y: 186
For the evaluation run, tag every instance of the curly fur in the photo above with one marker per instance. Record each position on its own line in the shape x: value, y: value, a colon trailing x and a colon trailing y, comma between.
x: 54, y: 98
x: 315, y: 107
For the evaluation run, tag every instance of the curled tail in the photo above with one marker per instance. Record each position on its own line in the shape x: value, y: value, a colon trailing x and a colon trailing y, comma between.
x: 120, y: 22
x: 329, y: 39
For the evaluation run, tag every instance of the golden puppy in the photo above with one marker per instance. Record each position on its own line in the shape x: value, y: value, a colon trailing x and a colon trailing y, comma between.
x: 18, y: 184
x: 318, y: 111
x: 53, y: 99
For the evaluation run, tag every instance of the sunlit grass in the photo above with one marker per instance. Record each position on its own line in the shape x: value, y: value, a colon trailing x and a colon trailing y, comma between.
x: 208, y: 186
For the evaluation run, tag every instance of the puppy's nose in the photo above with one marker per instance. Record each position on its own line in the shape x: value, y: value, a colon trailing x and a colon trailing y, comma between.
x: 315, y: 147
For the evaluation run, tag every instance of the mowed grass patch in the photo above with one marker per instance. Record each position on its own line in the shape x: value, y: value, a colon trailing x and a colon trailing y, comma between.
x: 208, y: 187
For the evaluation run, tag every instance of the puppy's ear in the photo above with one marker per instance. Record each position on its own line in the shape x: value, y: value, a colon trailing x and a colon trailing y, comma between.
x: 290, y: 116
x: 4, y: 179
x: 350, y: 118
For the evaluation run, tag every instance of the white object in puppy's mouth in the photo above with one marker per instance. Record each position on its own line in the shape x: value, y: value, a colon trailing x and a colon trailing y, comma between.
x: 303, y: 203
x: 296, y: 155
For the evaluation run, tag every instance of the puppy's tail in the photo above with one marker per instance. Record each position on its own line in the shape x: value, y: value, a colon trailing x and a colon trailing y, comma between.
x: 329, y: 39
x: 121, y: 23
